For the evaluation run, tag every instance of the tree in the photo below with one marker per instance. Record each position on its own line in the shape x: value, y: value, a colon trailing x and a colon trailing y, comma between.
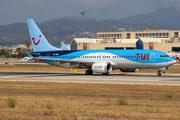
x: 18, y: 50
x: 28, y: 45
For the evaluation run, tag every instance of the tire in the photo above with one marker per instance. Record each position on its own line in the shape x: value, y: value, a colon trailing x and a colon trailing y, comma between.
x: 89, y: 72
x: 105, y: 73
x: 158, y: 74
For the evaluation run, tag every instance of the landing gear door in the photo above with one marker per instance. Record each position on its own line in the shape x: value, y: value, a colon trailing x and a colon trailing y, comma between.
x: 152, y: 57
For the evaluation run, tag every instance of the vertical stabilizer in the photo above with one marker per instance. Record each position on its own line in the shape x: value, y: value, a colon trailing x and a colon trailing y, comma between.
x: 38, y: 41
x: 64, y: 47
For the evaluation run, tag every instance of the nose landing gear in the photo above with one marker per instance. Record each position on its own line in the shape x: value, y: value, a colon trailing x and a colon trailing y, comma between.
x: 158, y: 74
x: 161, y: 69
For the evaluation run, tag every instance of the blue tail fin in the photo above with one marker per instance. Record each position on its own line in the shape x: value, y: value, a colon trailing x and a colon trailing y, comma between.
x: 138, y: 46
x: 38, y: 41
x: 64, y: 47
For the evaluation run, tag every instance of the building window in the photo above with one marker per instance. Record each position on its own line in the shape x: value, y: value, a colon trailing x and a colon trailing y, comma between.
x: 176, y: 49
x: 128, y: 35
x: 175, y: 34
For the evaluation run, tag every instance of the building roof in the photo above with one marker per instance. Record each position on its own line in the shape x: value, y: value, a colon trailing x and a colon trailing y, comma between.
x: 157, y: 40
x: 126, y: 40
x: 87, y: 40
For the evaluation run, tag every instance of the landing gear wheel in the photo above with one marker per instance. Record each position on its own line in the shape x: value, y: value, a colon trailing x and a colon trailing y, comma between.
x: 105, y: 73
x: 89, y: 72
x: 158, y: 74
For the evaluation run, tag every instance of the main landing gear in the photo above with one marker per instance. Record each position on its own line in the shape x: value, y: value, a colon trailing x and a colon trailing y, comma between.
x: 105, y: 73
x: 89, y: 72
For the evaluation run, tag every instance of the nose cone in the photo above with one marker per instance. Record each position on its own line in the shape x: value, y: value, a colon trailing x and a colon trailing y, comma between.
x: 171, y: 61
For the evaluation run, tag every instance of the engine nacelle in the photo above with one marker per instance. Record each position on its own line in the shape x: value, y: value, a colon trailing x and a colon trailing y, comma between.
x: 128, y: 70
x: 102, y: 67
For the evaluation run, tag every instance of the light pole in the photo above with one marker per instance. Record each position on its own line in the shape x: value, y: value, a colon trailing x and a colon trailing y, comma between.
x: 83, y: 13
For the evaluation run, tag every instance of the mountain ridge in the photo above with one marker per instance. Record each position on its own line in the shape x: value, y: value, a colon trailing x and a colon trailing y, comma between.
x: 62, y: 29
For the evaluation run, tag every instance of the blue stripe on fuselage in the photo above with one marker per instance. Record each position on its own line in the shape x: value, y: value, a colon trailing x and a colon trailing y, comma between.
x: 148, y: 56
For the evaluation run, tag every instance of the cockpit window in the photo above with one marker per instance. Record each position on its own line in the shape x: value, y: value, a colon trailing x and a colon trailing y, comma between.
x: 164, y: 56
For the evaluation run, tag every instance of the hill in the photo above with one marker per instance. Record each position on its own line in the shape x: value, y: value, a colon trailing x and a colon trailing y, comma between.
x: 165, y: 16
x: 62, y: 29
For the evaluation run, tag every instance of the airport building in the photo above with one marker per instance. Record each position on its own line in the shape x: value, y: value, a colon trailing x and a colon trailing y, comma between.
x: 110, y: 36
x: 161, y: 40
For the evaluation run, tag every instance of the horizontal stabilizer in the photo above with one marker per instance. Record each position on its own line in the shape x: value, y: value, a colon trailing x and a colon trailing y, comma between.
x: 28, y: 54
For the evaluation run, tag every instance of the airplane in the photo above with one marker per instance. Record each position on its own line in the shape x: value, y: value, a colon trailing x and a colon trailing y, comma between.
x: 96, y: 61
x: 64, y: 47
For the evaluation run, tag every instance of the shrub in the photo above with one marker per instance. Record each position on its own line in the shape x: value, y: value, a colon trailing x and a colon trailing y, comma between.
x: 169, y: 95
x: 49, y: 106
x: 122, y: 101
x: 11, y: 102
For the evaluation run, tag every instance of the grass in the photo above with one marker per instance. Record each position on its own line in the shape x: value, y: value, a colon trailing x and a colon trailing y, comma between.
x: 11, y: 102
x: 169, y: 95
x: 41, y: 100
x: 75, y: 101
x: 122, y: 101
x: 49, y: 106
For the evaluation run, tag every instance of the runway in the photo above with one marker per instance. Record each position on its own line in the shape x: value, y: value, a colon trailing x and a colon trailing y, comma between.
x: 150, y: 79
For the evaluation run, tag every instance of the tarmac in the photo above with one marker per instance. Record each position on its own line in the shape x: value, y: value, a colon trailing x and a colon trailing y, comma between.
x: 146, y: 79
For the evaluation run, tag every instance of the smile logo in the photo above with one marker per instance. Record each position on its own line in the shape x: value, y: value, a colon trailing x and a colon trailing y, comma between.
x: 38, y: 40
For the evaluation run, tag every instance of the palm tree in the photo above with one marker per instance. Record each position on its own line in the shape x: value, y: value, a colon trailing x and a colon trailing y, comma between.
x: 18, y: 50
x: 28, y: 44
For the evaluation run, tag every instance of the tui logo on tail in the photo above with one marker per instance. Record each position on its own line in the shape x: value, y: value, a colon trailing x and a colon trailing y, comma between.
x: 38, y: 40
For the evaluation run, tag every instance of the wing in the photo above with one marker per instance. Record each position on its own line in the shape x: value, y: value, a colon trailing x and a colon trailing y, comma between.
x: 62, y: 61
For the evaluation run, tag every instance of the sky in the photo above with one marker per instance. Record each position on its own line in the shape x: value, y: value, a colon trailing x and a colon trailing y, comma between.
x: 12, y: 11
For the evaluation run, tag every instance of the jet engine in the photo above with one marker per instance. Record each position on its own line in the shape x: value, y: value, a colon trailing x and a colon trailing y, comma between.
x: 102, y: 67
x: 128, y: 70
